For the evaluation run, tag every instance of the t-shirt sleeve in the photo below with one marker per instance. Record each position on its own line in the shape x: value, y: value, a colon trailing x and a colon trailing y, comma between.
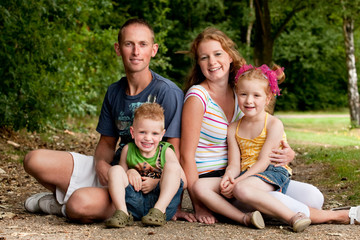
x: 172, y: 104
x: 198, y: 92
x: 106, y: 125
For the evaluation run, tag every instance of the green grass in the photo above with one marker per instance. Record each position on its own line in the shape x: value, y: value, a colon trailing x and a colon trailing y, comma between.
x: 330, y: 142
x: 333, y: 131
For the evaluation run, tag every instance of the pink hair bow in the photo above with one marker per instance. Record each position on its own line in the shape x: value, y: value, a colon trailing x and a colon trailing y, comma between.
x: 270, y: 75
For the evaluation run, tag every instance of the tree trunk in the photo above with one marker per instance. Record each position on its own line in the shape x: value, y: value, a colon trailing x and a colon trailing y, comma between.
x: 251, y: 23
x: 353, y: 92
x: 264, y: 42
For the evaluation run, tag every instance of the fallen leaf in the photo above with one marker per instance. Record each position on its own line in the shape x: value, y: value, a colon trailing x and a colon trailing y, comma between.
x: 13, y: 144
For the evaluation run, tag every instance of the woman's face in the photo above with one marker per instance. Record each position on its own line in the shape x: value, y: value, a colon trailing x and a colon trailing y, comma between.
x: 213, y: 60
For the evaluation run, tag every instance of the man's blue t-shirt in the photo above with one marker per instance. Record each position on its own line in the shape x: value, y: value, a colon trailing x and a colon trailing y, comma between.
x: 117, y: 111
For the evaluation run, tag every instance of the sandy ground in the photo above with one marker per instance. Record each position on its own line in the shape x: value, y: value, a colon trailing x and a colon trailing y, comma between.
x: 16, y: 186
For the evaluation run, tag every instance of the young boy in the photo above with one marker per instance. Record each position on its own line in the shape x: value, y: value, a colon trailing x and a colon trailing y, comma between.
x: 147, y: 182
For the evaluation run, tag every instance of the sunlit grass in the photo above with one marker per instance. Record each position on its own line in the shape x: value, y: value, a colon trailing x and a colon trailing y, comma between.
x: 327, y: 139
x: 334, y: 131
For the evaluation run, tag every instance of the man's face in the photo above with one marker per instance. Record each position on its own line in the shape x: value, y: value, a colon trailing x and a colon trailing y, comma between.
x: 136, y: 48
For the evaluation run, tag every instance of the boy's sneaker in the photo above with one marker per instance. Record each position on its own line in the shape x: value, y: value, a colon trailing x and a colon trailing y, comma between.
x: 32, y: 203
x: 49, y: 205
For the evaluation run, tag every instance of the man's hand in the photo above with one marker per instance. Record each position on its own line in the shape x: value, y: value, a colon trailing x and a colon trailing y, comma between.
x: 148, y: 184
x: 183, y: 215
x: 102, y: 168
x: 282, y: 157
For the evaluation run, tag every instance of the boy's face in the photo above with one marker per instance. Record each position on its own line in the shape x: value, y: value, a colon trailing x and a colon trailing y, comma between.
x: 136, y: 48
x: 147, y: 134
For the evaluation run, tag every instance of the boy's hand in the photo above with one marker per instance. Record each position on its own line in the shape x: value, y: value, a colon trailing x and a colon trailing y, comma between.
x: 148, y: 184
x: 134, y: 179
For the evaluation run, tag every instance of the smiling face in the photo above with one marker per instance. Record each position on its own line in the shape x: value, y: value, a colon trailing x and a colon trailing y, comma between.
x: 147, y: 134
x: 136, y: 47
x: 252, y: 96
x: 213, y: 60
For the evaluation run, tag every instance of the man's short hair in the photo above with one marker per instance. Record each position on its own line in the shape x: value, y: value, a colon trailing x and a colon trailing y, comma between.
x: 136, y: 21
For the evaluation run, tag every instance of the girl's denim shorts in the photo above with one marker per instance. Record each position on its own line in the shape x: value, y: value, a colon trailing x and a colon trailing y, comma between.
x: 279, y: 177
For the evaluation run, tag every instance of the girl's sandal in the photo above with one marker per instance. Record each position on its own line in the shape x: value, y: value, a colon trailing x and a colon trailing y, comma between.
x: 119, y: 220
x: 299, y: 222
x: 254, y: 219
x: 154, y: 218
x: 354, y: 215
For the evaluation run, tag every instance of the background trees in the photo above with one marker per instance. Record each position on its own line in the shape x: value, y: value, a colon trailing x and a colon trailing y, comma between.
x: 57, y: 56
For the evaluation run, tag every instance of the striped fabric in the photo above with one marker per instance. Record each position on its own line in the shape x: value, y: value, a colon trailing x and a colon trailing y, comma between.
x: 250, y: 148
x: 211, y: 152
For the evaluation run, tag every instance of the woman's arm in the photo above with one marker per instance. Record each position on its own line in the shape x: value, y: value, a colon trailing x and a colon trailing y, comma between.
x: 192, y: 116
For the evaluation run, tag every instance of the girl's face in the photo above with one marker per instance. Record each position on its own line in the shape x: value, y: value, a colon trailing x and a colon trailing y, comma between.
x: 252, y: 96
x: 147, y: 134
x: 213, y: 60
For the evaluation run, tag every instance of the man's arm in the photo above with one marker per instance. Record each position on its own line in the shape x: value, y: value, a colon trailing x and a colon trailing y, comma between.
x: 176, y: 143
x: 104, y: 154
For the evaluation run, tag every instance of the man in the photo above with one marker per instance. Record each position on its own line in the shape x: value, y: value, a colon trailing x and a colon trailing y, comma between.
x: 78, y: 181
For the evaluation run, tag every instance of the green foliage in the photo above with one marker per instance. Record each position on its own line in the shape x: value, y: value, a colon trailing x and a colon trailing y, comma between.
x: 57, y: 56
x: 314, y: 65
x: 52, y: 61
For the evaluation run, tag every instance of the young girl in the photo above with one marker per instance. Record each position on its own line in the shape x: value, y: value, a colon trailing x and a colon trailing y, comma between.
x: 251, y: 140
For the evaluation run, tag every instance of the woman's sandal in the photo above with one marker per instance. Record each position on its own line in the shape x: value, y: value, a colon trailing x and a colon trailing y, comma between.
x: 254, y: 219
x: 354, y: 215
x: 299, y: 222
x: 154, y: 218
x: 119, y: 220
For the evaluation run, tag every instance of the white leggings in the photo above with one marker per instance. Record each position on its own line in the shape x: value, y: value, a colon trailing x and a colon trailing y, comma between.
x: 300, y: 196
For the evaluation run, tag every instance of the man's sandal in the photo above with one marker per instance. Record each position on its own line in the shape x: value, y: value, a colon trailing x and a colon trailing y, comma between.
x: 254, y: 219
x: 154, y: 218
x: 119, y: 220
x: 354, y: 215
x: 299, y: 222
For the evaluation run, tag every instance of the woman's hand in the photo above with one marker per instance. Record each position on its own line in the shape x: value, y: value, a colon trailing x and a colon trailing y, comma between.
x: 282, y: 157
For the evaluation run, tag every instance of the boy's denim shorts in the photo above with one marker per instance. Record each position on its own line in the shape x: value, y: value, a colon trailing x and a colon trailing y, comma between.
x: 139, y: 204
x: 279, y: 177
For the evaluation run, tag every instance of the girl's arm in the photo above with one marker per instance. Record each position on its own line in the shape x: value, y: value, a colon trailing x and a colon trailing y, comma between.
x: 275, y: 131
x: 234, y: 156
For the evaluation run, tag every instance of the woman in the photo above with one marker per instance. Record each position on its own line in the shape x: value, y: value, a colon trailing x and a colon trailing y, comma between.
x: 210, y: 106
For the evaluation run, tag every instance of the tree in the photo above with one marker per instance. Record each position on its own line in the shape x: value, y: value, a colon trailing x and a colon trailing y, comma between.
x: 350, y: 9
x: 266, y: 33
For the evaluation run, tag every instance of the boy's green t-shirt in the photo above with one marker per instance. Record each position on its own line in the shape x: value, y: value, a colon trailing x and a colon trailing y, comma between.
x: 149, y: 167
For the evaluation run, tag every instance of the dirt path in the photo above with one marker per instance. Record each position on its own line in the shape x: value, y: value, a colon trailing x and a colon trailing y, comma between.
x: 16, y: 186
